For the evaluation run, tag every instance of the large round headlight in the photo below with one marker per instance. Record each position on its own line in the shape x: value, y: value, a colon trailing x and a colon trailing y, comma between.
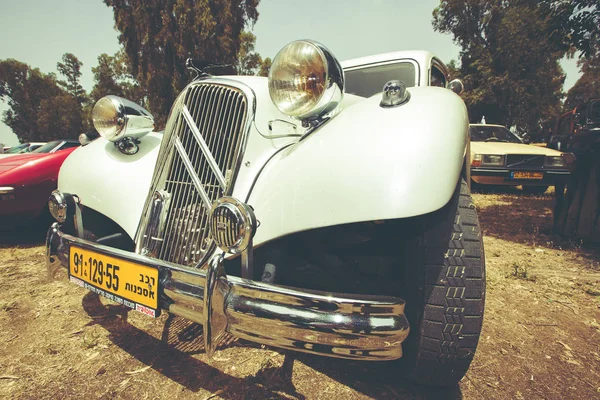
x: 305, y: 80
x: 115, y: 118
x: 109, y: 118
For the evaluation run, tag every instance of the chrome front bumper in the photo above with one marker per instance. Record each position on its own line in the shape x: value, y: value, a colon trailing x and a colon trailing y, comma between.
x: 335, y: 325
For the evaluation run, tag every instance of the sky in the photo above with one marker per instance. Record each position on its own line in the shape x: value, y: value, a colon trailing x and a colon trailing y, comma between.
x: 39, y: 32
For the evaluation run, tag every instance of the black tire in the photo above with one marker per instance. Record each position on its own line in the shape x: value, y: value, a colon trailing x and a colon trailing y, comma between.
x: 535, y: 189
x: 444, y: 292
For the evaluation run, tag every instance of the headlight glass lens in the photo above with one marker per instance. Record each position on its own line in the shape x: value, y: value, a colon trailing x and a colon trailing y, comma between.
x: 492, y: 159
x: 476, y: 160
x: 107, y: 119
x: 554, y: 161
x: 300, y: 78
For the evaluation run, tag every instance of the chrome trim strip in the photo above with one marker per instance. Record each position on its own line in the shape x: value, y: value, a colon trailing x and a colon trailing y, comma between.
x: 475, y: 169
x: 190, y: 169
x: 358, y: 327
x: 209, y: 157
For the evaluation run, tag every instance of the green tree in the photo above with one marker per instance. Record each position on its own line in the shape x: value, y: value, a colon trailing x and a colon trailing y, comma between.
x: 113, y: 76
x: 159, y: 35
x: 249, y: 61
x: 70, y: 68
x: 576, y: 23
x: 265, y: 66
x: 26, y: 91
x: 509, y: 60
x: 587, y: 86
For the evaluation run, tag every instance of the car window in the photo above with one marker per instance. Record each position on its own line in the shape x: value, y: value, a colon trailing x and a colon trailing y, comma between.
x: 437, y: 77
x: 48, y: 147
x: 492, y: 133
x: 368, y: 81
x: 17, y: 149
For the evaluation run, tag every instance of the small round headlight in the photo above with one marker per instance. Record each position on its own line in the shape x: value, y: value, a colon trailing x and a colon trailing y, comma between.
x: 61, y: 205
x: 305, y: 80
x: 109, y: 118
x: 232, y: 224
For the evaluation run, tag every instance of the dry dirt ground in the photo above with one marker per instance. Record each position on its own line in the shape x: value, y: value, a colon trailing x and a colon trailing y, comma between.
x: 541, y: 334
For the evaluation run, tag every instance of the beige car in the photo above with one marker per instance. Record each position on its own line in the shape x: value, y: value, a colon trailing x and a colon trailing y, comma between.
x: 499, y: 157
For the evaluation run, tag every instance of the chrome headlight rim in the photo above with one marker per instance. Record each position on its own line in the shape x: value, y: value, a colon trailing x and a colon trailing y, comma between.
x: 237, y: 238
x: 109, y: 118
x: 333, y: 82
x: 116, y: 118
x: 61, y: 206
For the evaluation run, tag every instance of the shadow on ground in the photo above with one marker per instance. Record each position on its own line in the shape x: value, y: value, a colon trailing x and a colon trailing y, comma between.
x: 29, y: 235
x: 528, y: 220
x: 172, y: 356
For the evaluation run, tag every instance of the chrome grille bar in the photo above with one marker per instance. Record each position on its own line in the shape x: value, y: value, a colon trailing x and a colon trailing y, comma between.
x: 190, y: 170
x: 198, y: 161
x: 204, y: 147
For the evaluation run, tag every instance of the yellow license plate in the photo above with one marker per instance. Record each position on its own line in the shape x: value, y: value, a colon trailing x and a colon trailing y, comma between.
x: 132, y: 284
x: 527, y: 175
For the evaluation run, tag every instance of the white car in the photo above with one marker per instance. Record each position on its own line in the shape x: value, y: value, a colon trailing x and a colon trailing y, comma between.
x: 499, y: 157
x: 324, y: 209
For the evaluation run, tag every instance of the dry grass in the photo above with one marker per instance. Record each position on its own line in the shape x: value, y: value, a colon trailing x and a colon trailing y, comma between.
x: 541, y: 334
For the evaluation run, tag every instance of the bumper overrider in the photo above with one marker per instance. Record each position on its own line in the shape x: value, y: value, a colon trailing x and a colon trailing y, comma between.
x: 336, y: 325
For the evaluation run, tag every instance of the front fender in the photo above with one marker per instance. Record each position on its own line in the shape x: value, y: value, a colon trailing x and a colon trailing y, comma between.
x: 112, y: 183
x: 367, y: 163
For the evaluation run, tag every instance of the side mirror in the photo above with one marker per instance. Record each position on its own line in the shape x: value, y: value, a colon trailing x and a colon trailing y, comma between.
x: 456, y: 86
x: 526, y: 140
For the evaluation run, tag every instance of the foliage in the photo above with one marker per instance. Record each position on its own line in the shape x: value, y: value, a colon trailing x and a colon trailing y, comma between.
x: 113, y: 76
x: 587, y: 86
x: 70, y: 68
x: 508, y: 60
x: 577, y: 23
x: 249, y: 61
x: 158, y: 36
x: 265, y: 67
x: 27, y: 92
x: 40, y: 107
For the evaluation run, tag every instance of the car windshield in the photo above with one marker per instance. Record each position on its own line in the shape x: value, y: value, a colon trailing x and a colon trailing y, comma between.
x: 492, y: 133
x: 17, y: 149
x: 48, y: 147
x: 368, y: 81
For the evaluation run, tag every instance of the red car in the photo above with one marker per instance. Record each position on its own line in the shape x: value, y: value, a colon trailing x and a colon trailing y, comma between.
x: 26, y: 181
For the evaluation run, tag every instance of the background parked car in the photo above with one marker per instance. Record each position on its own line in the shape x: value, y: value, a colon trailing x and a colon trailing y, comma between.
x: 26, y: 181
x: 499, y: 157
x: 23, y: 148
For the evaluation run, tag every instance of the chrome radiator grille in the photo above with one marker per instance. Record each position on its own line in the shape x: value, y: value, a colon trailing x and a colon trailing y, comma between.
x: 524, y: 160
x: 198, y: 161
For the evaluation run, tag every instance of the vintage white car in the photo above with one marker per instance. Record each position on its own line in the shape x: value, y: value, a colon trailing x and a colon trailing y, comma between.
x: 324, y: 209
x: 499, y: 157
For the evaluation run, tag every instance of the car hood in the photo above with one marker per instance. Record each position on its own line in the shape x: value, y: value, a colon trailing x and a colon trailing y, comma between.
x: 16, y: 160
x: 511, y: 148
